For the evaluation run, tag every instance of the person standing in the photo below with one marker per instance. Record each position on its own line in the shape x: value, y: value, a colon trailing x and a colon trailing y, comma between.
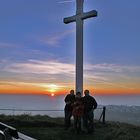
x: 69, y: 100
x: 89, y: 105
x: 78, y: 111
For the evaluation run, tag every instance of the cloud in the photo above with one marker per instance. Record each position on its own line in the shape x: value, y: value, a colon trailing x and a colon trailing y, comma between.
x: 41, y: 67
x: 56, y: 67
x: 55, y: 39
x: 95, y: 77
x: 2, y: 60
x: 109, y: 75
x: 3, y: 83
x: 66, y: 1
x: 113, y: 68
x: 40, y: 85
x: 7, y: 45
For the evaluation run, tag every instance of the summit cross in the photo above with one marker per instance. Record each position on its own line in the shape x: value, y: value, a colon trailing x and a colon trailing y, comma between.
x: 79, y: 19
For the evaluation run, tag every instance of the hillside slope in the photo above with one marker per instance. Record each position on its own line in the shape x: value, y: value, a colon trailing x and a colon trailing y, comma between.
x: 46, y: 128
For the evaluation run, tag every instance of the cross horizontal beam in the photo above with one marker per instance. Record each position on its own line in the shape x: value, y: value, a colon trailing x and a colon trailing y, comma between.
x: 69, y: 19
x: 82, y: 16
x: 90, y: 14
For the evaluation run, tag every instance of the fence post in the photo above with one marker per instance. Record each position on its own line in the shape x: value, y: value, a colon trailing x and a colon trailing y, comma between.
x: 104, y: 111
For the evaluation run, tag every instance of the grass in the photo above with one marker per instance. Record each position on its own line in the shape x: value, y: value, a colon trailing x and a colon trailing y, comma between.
x: 47, y: 128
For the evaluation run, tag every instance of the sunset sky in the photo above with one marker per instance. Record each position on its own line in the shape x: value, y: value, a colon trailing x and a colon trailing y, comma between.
x: 37, y: 50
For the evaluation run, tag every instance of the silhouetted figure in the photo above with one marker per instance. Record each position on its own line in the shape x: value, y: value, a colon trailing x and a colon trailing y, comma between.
x: 89, y: 105
x: 69, y: 100
x: 78, y: 111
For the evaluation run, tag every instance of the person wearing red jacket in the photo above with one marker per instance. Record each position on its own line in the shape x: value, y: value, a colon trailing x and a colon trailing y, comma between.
x: 78, y: 111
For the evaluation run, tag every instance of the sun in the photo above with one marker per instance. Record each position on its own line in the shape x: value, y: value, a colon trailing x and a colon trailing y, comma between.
x: 52, y: 94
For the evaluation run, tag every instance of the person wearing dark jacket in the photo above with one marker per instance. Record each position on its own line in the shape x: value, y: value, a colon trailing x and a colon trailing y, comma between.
x: 89, y: 105
x: 69, y: 100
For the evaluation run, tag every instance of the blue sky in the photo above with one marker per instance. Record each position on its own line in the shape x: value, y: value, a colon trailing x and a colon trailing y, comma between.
x: 34, y: 42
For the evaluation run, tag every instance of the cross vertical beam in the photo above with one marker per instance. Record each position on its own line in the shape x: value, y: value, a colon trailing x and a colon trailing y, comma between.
x: 79, y: 19
x: 79, y: 48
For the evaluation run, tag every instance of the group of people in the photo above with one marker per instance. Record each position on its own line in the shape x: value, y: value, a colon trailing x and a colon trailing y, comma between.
x: 81, y: 108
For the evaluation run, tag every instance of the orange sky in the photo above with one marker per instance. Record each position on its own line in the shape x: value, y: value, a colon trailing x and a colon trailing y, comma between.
x: 57, y: 89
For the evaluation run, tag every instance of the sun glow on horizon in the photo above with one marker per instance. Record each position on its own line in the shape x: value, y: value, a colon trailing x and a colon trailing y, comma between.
x: 52, y: 94
x: 54, y: 89
x: 51, y: 88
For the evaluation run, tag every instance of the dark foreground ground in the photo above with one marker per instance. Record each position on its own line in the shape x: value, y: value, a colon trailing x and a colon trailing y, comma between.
x: 46, y: 128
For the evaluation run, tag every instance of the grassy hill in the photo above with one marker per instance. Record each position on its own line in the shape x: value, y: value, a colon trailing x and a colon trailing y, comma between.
x: 47, y: 128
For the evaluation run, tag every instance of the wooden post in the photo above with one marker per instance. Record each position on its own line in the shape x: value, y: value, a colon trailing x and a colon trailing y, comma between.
x: 104, y: 111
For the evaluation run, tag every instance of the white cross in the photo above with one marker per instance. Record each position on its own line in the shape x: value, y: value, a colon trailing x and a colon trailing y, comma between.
x: 79, y: 19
